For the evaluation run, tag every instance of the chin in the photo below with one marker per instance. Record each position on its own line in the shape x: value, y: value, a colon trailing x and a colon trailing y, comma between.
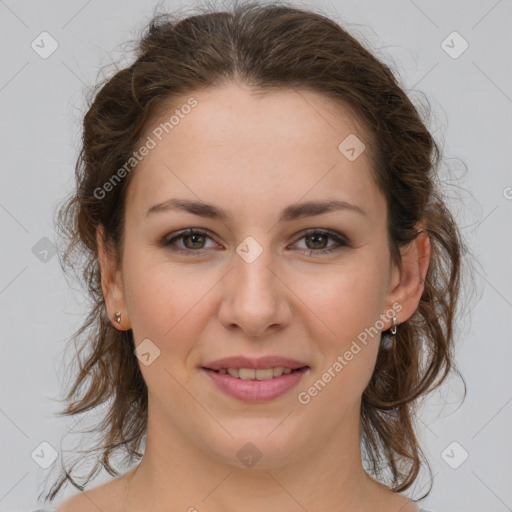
x: 259, y: 444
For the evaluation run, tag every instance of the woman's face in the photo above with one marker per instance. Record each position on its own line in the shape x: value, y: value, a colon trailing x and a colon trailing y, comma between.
x: 257, y: 282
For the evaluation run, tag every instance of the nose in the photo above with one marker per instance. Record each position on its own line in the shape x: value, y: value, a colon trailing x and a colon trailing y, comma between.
x: 254, y: 297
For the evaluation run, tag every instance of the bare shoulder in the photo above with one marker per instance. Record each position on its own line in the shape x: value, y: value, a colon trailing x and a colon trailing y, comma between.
x: 404, y: 504
x: 386, y: 500
x: 78, y: 503
x: 108, y: 496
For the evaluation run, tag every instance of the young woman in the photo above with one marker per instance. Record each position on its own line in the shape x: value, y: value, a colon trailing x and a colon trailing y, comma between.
x: 273, y: 269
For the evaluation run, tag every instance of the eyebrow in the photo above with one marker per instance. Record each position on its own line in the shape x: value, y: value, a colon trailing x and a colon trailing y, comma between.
x: 292, y: 212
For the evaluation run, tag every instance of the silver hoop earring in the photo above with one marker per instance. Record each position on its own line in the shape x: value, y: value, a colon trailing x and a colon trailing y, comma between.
x: 393, y: 326
x: 118, y: 317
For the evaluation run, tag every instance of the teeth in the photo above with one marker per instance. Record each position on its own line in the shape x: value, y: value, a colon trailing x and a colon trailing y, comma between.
x: 246, y: 373
x: 277, y: 372
x: 251, y: 374
x: 266, y: 374
x: 234, y: 372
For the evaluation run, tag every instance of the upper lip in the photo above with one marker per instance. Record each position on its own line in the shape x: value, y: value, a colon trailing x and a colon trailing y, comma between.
x: 260, y: 363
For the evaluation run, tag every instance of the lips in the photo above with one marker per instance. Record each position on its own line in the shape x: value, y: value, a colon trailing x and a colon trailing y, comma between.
x: 254, y: 391
x: 261, y: 386
x: 261, y: 363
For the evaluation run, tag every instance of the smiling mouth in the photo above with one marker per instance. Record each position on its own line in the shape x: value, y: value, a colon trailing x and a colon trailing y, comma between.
x: 256, y: 385
x: 257, y: 374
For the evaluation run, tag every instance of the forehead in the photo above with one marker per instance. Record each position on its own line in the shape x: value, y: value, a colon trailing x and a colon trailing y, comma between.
x: 239, y: 146
x: 235, y: 113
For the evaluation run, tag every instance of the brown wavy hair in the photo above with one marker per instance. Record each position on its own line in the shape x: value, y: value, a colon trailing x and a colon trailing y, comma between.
x: 267, y: 46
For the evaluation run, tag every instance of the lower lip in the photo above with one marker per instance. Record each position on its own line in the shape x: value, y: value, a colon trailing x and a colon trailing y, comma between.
x: 256, y: 390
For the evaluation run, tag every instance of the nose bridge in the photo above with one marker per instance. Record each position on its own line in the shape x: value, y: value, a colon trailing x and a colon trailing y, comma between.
x: 253, y: 296
x: 253, y: 281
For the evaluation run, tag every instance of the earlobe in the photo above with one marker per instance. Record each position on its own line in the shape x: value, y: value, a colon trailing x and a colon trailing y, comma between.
x: 415, y: 262
x: 110, y: 282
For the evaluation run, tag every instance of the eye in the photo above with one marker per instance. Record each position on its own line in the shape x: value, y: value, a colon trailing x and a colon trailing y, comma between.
x: 192, y: 238
x: 194, y: 241
x: 319, y: 237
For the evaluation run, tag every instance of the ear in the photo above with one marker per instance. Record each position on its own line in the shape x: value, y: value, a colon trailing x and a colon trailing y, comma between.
x: 111, y: 282
x: 407, y: 284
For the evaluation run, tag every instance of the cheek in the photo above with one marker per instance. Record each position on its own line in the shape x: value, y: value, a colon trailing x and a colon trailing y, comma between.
x: 346, y: 300
x: 347, y: 307
x: 166, y: 304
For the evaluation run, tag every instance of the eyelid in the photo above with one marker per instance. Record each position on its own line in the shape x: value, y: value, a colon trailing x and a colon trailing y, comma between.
x: 324, y: 231
x: 340, y: 239
x: 166, y: 240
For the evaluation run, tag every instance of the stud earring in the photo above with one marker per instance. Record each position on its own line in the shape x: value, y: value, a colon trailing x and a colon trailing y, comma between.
x: 118, y: 317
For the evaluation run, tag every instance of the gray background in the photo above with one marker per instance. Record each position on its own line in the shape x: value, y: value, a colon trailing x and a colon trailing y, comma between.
x: 42, y: 101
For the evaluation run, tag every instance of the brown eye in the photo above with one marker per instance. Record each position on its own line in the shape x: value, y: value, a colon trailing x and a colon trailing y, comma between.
x: 192, y: 239
x: 319, y: 240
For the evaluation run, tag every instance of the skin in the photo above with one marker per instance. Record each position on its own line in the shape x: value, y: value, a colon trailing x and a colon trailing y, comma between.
x: 195, y: 309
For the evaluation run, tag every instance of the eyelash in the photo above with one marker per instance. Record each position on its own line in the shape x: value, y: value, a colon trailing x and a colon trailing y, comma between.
x: 341, y: 241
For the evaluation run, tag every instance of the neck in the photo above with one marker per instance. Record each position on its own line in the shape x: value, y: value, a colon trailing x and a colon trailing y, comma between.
x: 178, y: 474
